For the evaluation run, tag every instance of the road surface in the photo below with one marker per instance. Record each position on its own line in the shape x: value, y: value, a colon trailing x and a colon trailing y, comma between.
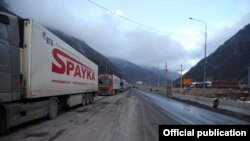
x: 130, y: 116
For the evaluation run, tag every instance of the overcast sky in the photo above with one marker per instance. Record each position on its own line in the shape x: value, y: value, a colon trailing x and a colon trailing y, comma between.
x: 143, y: 32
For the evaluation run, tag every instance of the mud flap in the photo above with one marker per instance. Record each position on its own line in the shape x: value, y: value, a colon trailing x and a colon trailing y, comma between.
x: 4, y: 122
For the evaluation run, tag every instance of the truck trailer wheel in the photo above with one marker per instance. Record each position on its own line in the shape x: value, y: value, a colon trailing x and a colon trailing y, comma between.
x: 91, y: 97
x: 87, y: 99
x: 53, y: 108
x: 84, y: 99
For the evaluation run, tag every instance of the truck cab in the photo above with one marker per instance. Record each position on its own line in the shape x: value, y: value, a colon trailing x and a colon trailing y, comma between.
x: 105, y: 84
x: 10, y: 47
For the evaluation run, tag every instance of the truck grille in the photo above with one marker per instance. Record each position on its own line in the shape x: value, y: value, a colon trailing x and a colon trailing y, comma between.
x: 104, y: 91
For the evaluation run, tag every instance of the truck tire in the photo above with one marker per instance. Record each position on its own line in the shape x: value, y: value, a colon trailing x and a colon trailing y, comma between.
x: 53, y: 108
x: 84, y: 100
x: 88, y: 99
x: 91, y: 97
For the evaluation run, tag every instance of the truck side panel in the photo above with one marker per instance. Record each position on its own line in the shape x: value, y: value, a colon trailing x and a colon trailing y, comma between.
x: 116, y: 82
x: 54, y: 68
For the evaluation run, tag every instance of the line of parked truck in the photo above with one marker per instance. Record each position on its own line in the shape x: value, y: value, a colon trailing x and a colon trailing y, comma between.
x: 40, y: 74
x: 110, y: 84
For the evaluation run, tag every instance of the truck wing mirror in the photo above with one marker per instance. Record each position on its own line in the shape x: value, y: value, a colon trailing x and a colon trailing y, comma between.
x: 4, y: 19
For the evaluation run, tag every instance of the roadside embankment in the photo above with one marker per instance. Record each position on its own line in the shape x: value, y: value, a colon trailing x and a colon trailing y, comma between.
x: 235, y: 106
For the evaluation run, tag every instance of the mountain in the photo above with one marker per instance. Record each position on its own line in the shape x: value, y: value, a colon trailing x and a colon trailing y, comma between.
x: 229, y: 62
x: 104, y: 64
x: 148, y: 76
x: 119, y: 67
x: 4, y: 5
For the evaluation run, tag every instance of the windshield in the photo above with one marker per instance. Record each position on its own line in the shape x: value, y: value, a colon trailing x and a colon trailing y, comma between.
x: 104, y: 82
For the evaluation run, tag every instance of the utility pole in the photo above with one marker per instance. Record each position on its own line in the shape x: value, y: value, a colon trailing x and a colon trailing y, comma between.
x: 166, y: 71
x: 181, y: 78
x: 158, y: 78
x: 248, y: 82
x: 158, y: 75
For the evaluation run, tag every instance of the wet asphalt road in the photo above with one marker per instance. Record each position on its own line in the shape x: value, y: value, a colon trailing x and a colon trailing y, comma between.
x: 187, y: 114
x: 129, y: 116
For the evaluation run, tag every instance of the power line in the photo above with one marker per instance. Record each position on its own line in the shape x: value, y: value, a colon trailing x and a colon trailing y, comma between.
x: 138, y: 23
x: 149, y: 27
x: 177, y: 34
x: 126, y: 18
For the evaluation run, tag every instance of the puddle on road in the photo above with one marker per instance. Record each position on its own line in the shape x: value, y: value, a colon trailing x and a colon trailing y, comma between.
x: 95, y: 112
x: 86, y: 120
x: 57, y: 134
x: 42, y: 134
x: 83, y: 110
x: 104, y: 103
x: 117, y: 102
x: 77, y: 123
x: 80, y: 123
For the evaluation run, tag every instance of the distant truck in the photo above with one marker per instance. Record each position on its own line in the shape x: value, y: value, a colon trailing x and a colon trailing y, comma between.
x: 124, y: 85
x: 201, y: 84
x: 109, y: 84
x: 39, y: 73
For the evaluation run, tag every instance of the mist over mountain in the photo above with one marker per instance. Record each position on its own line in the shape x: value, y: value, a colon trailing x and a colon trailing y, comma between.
x: 122, y: 68
x: 147, y: 75
x: 229, y: 62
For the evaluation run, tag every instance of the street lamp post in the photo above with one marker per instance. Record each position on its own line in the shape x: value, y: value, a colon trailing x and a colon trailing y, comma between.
x: 181, y: 80
x: 205, y: 58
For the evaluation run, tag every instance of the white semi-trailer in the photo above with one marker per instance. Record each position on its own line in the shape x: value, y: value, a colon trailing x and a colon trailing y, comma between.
x: 39, y: 73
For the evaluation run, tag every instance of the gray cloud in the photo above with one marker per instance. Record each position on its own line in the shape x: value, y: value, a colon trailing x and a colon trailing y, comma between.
x: 108, y: 37
x: 139, y: 46
x: 226, y: 33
